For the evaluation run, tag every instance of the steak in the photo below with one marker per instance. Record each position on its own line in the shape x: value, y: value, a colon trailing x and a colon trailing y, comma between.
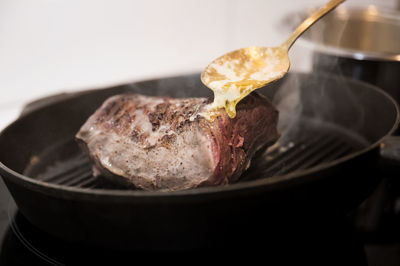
x: 158, y: 143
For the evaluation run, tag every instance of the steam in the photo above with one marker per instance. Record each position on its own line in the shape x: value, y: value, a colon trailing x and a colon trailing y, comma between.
x: 297, y: 97
x: 287, y: 100
x: 329, y: 100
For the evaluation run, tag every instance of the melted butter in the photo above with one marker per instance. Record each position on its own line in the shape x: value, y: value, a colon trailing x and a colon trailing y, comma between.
x: 235, y: 75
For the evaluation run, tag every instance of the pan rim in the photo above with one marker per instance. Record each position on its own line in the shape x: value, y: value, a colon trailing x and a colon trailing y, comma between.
x: 271, y: 182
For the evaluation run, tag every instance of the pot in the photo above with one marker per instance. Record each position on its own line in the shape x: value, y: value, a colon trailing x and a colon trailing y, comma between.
x: 358, y: 42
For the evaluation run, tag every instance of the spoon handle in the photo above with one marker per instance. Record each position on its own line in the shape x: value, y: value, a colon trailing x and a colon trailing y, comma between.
x: 309, y: 21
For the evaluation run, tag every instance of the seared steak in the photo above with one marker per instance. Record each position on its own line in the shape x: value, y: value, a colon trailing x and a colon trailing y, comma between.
x: 156, y: 143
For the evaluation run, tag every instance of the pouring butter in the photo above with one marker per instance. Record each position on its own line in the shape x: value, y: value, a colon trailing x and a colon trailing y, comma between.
x: 236, y: 74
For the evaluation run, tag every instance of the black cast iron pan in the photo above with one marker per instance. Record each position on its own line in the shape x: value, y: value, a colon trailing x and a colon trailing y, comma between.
x: 326, y: 162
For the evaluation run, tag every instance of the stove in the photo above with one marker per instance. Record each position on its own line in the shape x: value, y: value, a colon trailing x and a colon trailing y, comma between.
x: 368, y: 235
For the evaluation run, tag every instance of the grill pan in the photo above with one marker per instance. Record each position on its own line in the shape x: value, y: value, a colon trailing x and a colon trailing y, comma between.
x: 327, y: 162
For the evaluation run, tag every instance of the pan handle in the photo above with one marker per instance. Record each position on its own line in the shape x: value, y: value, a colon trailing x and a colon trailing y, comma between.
x: 390, y: 156
x: 380, y: 208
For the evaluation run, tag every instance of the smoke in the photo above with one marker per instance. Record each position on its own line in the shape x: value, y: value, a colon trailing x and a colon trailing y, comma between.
x: 288, y: 101
x: 320, y: 101
x: 315, y: 97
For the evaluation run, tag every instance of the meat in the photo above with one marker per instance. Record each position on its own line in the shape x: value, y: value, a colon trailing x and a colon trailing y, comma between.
x: 156, y: 143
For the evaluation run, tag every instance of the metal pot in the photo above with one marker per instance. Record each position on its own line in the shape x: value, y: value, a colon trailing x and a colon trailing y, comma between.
x: 362, y: 43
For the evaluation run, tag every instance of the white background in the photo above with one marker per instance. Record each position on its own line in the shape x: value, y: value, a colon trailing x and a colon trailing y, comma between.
x: 52, y: 46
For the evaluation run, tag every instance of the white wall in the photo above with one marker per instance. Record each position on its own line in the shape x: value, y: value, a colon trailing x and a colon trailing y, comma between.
x: 49, y: 46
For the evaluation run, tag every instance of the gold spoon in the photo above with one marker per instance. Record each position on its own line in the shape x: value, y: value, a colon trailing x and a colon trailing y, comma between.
x: 236, y: 74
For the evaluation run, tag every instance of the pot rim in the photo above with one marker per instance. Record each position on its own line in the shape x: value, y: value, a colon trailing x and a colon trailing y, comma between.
x: 350, y: 53
x: 371, y: 12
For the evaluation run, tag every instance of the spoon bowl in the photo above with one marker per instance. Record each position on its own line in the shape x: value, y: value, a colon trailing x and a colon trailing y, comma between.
x: 247, y: 69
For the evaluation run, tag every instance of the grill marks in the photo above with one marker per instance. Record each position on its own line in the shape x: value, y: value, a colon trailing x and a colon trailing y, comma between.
x: 324, y: 147
x: 155, y: 118
x: 73, y: 172
x: 168, y: 140
x: 317, y: 146
x: 120, y: 112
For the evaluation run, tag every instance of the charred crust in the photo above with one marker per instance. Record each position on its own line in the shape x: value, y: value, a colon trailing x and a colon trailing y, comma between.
x: 198, y: 118
x: 168, y: 140
x: 117, y: 120
x: 158, y: 115
x: 99, y: 119
x: 154, y: 127
x: 115, y: 109
x: 154, y: 120
x: 128, y: 117
x: 162, y: 108
x: 143, y: 137
x: 182, y: 125
x: 109, y: 107
x: 134, y: 135
x: 174, y: 114
x: 148, y: 146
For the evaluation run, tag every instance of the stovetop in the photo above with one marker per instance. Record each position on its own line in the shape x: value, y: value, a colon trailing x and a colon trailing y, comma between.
x: 356, y: 239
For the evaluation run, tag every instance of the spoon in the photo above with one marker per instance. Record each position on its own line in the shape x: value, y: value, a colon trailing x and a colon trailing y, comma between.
x: 236, y: 74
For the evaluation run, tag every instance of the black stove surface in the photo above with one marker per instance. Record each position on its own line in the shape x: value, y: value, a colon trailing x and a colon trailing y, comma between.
x: 333, y: 241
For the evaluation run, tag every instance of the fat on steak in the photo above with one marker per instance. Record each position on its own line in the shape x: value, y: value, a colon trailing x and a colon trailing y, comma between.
x: 152, y: 144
